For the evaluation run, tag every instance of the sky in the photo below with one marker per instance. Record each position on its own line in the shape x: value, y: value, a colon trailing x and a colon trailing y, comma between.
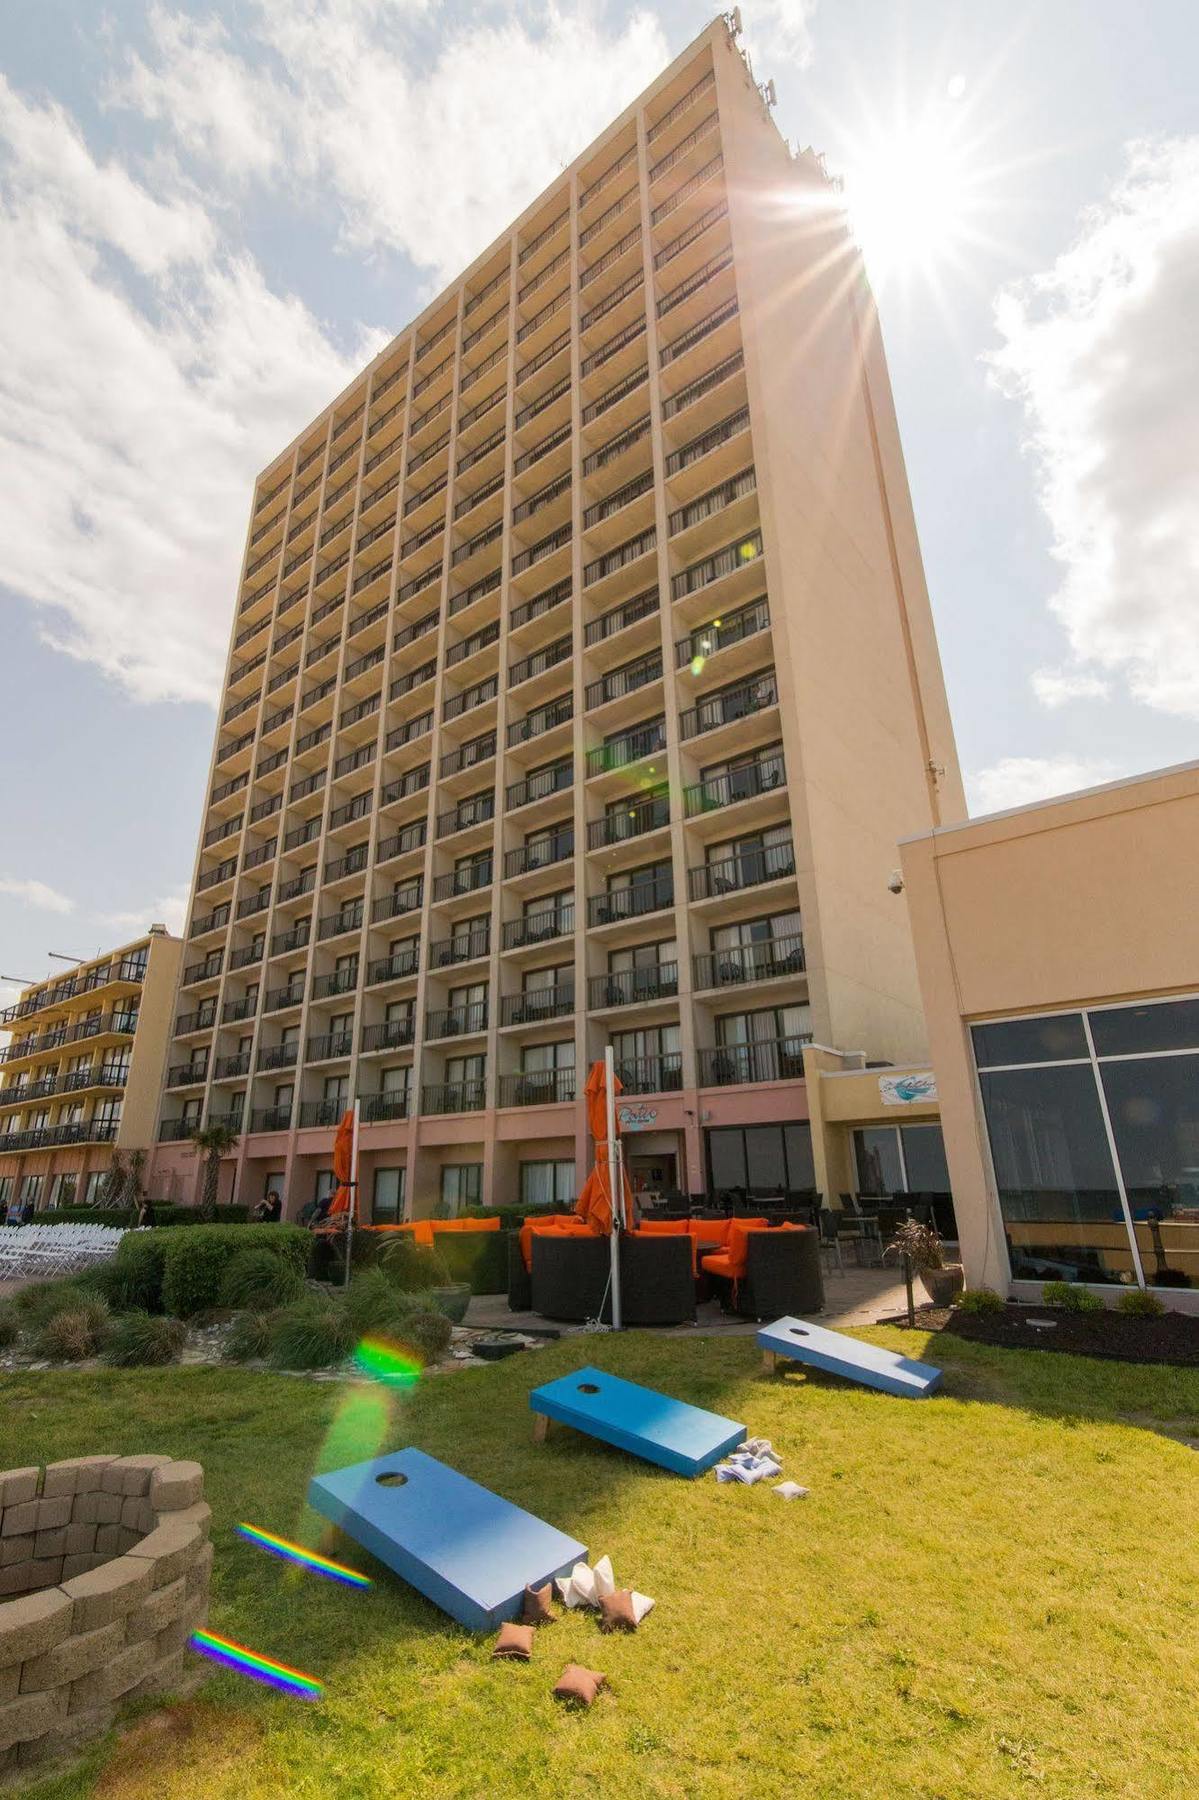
x: 211, y: 215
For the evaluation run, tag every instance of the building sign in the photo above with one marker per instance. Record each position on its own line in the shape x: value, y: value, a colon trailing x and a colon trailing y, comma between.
x: 637, y: 1118
x: 907, y: 1090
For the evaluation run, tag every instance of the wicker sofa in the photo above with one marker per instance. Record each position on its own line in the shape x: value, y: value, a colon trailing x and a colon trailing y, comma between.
x: 569, y: 1279
x: 771, y: 1273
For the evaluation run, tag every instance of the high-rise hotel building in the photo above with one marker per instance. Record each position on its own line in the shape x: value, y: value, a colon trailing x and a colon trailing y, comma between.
x: 582, y: 682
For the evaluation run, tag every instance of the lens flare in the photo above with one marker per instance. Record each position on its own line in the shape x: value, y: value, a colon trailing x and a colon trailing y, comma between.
x: 258, y: 1668
x: 387, y: 1362
x: 306, y: 1559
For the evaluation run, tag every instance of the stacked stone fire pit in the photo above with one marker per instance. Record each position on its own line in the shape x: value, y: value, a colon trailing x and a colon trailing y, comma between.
x: 104, y: 1572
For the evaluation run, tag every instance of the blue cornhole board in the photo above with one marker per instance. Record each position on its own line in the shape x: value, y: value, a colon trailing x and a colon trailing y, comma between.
x: 457, y: 1543
x: 682, y: 1438
x: 837, y: 1354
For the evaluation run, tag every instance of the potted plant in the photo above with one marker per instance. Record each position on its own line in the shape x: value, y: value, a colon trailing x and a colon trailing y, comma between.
x: 919, y: 1248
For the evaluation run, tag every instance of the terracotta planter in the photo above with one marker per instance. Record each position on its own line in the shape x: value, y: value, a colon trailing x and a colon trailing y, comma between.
x: 943, y: 1285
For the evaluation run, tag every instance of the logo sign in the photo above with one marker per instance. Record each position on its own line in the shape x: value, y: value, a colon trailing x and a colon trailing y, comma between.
x: 907, y: 1090
x: 637, y: 1118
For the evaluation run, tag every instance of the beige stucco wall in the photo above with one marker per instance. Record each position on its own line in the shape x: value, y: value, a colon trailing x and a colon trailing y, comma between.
x: 1084, y: 899
x: 147, y: 1064
x: 861, y: 690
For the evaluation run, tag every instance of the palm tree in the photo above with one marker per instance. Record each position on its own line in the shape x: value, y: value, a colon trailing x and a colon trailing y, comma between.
x: 135, y: 1187
x: 115, y: 1179
x: 213, y: 1141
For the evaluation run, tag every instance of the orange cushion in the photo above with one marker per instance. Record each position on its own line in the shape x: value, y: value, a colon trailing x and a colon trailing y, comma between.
x: 717, y: 1262
x: 554, y: 1226
x: 663, y: 1227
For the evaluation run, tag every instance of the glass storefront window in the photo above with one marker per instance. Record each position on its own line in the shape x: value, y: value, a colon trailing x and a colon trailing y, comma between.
x: 1153, y: 1103
x: 1059, y: 1038
x: 547, y: 1184
x: 387, y: 1200
x: 876, y: 1152
x: 924, y: 1159
x: 767, y: 1159
x: 1132, y: 1030
x: 1053, y: 1169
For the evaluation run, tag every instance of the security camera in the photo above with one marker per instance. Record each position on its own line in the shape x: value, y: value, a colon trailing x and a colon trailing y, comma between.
x: 895, y: 882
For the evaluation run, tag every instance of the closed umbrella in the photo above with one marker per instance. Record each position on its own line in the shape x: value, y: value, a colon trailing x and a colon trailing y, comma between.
x: 345, y: 1158
x: 602, y: 1204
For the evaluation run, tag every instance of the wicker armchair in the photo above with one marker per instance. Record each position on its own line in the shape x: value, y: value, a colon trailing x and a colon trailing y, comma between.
x: 782, y: 1276
x: 570, y: 1279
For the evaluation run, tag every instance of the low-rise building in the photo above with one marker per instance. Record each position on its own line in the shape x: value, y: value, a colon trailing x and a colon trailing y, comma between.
x: 1058, y: 950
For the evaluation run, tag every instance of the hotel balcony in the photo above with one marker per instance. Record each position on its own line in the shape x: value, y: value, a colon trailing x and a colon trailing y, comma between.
x: 321, y: 1112
x: 52, y: 1137
x: 379, y: 1109
x: 633, y: 987
x: 463, y: 948
x: 278, y: 1056
x: 769, y: 959
x: 537, y: 1004
x: 536, y: 1087
x: 632, y: 902
x: 456, y: 1021
x: 650, y: 1074
x: 538, y: 927
x: 748, y: 869
x: 329, y: 1046
x: 542, y: 853
x: 453, y: 1096
x: 731, y: 1065
x: 628, y: 823
x: 755, y: 780
x: 271, y: 1118
x: 393, y: 968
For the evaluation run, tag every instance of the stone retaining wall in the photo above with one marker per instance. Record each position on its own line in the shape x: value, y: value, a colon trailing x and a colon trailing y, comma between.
x: 109, y: 1560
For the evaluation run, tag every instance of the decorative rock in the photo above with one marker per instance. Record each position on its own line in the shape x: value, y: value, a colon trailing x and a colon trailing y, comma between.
x: 108, y: 1592
x: 179, y: 1485
x: 17, y: 1485
x: 32, y: 1625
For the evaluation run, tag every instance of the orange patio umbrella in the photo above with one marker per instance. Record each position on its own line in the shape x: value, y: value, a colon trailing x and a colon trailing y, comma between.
x: 594, y: 1203
x: 343, y: 1167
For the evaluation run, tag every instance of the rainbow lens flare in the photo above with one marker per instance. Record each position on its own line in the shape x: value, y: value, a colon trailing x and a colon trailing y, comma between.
x: 296, y: 1553
x: 258, y: 1668
x: 387, y: 1362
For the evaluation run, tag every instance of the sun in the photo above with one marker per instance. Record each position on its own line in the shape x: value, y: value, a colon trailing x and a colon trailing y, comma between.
x: 914, y: 191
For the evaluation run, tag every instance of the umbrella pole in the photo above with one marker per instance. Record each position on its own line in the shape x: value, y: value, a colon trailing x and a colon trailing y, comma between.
x: 615, y: 1183
x: 353, y: 1191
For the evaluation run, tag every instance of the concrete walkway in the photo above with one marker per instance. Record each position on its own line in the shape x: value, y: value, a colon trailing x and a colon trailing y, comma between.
x: 851, y: 1298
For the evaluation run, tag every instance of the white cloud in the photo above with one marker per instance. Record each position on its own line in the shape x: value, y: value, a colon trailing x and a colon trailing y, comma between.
x: 169, y: 910
x: 36, y: 893
x: 780, y: 28
x: 1057, y: 687
x: 1021, y: 780
x: 1103, y: 351
x: 334, y: 98
x: 146, y: 373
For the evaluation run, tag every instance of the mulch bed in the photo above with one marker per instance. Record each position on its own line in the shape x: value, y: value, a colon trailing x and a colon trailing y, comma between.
x: 1114, y: 1336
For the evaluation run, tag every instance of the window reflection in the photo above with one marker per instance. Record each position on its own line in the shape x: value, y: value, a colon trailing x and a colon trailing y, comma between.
x: 1154, y: 1108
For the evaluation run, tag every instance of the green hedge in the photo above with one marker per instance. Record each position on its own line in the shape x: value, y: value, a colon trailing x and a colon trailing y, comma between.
x: 194, y: 1262
x: 480, y: 1257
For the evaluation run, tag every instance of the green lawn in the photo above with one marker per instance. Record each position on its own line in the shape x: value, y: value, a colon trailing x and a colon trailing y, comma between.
x: 993, y: 1592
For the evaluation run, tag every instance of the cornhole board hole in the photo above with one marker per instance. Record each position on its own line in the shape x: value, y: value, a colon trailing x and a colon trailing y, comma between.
x: 836, y: 1354
x: 685, y: 1439
x: 461, y: 1546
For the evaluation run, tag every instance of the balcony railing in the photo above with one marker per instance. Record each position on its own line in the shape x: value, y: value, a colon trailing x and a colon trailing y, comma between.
x: 453, y: 1096
x: 630, y: 902
x: 470, y: 646
x: 624, y: 554
x: 457, y: 1021
x: 469, y: 755
x: 537, y: 1087
x: 537, y: 787
x: 246, y: 957
x: 540, y: 604
x: 748, y: 868
x: 536, y: 1004
x: 625, y: 680
x: 393, y: 968
x: 730, y: 705
x: 185, y: 1023
x: 478, y: 810
x: 774, y: 1059
x: 634, y: 987
x: 393, y: 906
x: 541, y: 719
x: 229, y: 1068
x: 541, y: 660
x: 330, y: 1044
x: 630, y: 747
x: 540, y: 854
x: 352, y: 863
x: 391, y: 1034
x: 279, y: 999
x: 716, y: 500
x: 539, y: 927
x: 625, y: 822
x: 624, y: 496
x: 379, y: 1109
x: 278, y: 1056
x: 338, y: 981
x: 48, y: 1137
x: 348, y: 919
x: 650, y: 1074
x: 322, y: 1112
x: 296, y: 939
x: 700, y: 575
x: 245, y: 1008
x: 745, y: 782
x: 469, y: 698
x: 703, y: 384
x: 270, y: 1118
x: 467, y: 947
x: 764, y: 960
x: 466, y: 880
x: 706, y: 640
x: 618, y: 617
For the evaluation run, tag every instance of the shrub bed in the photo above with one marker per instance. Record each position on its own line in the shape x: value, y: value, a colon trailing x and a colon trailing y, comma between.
x: 141, y: 1339
x: 164, y: 1214
x: 195, y: 1261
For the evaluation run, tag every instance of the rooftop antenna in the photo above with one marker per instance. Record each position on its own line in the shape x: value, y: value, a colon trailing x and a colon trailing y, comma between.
x: 59, y: 957
x: 768, y: 94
